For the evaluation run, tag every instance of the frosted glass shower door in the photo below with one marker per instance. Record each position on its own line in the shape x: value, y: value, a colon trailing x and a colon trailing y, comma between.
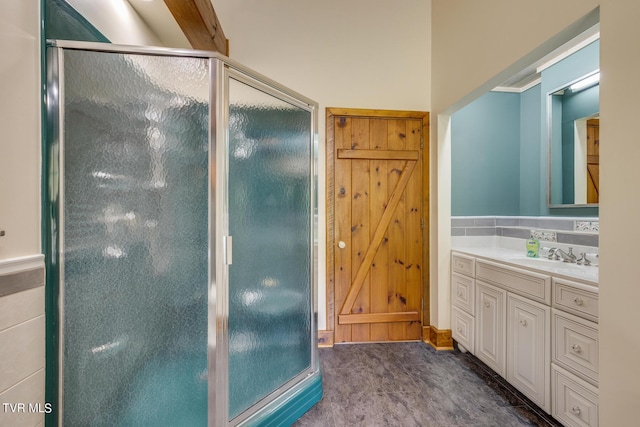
x: 134, y: 204
x: 270, y: 220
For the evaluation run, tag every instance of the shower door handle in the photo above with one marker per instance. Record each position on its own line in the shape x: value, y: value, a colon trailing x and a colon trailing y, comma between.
x: 228, y: 250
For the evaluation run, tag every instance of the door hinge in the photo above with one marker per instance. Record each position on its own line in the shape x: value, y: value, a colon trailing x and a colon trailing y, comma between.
x: 422, y: 223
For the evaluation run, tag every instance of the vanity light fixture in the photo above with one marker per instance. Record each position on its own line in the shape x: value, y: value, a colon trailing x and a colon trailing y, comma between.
x: 585, y: 83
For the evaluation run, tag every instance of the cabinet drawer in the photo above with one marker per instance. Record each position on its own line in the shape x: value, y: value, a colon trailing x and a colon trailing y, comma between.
x: 463, y: 292
x: 526, y: 283
x: 575, y: 345
x: 576, y: 298
x: 575, y: 402
x: 463, y: 264
x: 462, y: 328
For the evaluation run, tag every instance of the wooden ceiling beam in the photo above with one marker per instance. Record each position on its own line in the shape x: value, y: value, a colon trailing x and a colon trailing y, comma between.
x: 200, y: 24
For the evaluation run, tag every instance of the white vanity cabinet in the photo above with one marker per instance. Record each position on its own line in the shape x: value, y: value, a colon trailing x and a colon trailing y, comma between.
x: 538, y: 331
x: 524, y: 326
x: 463, y: 301
x: 575, y: 353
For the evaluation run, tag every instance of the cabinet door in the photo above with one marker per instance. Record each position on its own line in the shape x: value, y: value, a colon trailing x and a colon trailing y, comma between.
x: 528, y: 342
x: 462, y: 328
x: 490, y: 326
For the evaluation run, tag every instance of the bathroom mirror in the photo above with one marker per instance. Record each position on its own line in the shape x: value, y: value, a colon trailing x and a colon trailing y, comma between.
x: 574, y: 143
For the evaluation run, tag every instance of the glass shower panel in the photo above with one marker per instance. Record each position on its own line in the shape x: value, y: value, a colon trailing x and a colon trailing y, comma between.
x: 270, y: 221
x: 135, y: 239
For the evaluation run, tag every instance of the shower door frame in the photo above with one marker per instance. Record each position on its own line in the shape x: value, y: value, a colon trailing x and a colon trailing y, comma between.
x: 282, y: 93
x: 221, y: 69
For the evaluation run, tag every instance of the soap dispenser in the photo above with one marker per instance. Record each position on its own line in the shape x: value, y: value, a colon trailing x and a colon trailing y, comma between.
x: 533, y: 247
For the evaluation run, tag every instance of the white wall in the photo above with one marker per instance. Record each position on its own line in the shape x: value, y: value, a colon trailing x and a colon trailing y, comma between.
x: 20, y: 126
x: 619, y: 212
x: 117, y: 21
x: 356, y: 54
x: 22, y: 324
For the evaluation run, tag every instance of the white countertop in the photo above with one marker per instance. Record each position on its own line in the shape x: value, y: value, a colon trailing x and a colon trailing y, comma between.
x: 543, y: 265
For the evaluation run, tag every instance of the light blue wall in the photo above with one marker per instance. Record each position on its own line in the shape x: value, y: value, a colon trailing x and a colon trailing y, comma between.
x: 532, y: 153
x: 499, y: 147
x: 485, y: 152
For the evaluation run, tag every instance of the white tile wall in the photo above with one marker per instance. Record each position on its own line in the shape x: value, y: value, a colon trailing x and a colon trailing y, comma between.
x: 29, y: 390
x: 22, y: 350
x: 20, y: 307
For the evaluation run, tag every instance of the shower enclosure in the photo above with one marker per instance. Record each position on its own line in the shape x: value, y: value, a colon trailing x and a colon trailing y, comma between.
x: 182, y: 194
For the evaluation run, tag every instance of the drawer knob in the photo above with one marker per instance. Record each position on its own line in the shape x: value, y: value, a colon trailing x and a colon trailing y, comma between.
x: 459, y: 293
x: 459, y: 329
x: 576, y: 410
x: 576, y: 348
x: 487, y: 304
x: 578, y: 301
x: 523, y: 322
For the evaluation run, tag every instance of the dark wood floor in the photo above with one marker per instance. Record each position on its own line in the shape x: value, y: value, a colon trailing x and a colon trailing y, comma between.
x: 411, y: 384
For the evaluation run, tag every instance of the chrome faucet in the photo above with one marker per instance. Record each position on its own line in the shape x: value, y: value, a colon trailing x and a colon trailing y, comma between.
x: 557, y: 253
x: 583, y: 260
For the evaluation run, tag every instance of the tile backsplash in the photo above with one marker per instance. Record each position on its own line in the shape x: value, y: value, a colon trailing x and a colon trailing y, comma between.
x: 544, y: 235
x: 570, y: 231
x: 593, y: 226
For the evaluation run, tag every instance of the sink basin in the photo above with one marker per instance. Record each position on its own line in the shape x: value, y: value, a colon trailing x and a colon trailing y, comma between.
x: 522, y: 259
x: 589, y: 272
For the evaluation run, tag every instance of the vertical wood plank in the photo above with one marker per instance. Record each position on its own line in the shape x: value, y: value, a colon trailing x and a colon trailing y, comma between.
x: 396, y: 134
x: 330, y: 221
x: 360, y: 223
x: 413, y: 232
x: 426, y: 292
x: 343, y: 195
x: 378, y: 190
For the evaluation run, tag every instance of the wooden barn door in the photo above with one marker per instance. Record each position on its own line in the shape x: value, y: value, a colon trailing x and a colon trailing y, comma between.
x: 376, y: 224
x: 593, y: 161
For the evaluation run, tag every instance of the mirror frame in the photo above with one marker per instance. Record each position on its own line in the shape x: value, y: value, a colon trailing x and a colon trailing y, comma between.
x: 550, y: 142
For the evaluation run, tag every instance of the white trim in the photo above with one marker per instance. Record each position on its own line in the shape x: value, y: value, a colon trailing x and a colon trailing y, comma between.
x: 517, y: 89
x: 506, y: 89
x: 24, y: 263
